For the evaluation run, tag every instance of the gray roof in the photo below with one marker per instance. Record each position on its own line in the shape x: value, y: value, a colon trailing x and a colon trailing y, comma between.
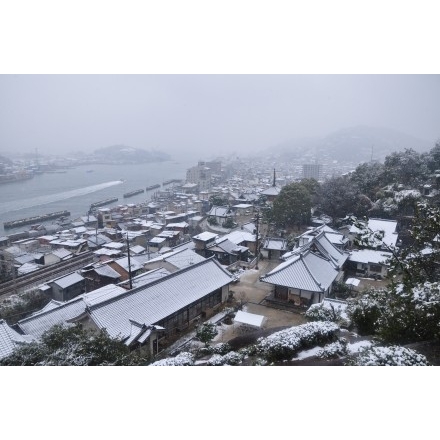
x: 41, y: 321
x: 68, y: 280
x: 156, y: 301
x: 306, y: 271
x: 226, y: 245
x: 123, y: 262
x: 330, y: 250
x: 61, y: 253
x: 9, y: 339
x: 239, y: 237
x: 323, y: 246
x: 106, y: 271
x: 369, y: 256
x: 26, y: 258
x: 219, y: 211
x: 271, y: 191
x: 205, y: 236
x: 146, y: 278
x: 183, y: 258
x: 278, y: 244
x: 61, y: 313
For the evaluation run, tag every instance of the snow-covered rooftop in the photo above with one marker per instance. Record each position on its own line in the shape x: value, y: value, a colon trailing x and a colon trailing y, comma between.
x: 369, y: 256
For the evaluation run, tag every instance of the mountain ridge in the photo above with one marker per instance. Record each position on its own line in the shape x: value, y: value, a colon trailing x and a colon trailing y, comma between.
x: 357, y: 144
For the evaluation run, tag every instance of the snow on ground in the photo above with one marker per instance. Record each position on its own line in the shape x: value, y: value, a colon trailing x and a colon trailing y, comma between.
x: 307, y: 353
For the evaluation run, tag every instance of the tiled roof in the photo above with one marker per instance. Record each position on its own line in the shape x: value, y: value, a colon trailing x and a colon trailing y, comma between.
x: 102, y: 294
x: 123, y: 262
x: 219, y: 211
x: 369, y: 256
x: 9, y: 339
x: 38, y: 323
x: 156, y: 301
x: 305, y: 271
x: 278, y: 244
x: 106, y: 271
x: 61, y: 253
x: 323, y: 246
x: 388, y: 227
x: 137, y: 249
x: 238, y: 237
x: 68, y: 280
x: 271, y: 191
x: 225, y: 245
x: 28, y: 268
x: 205, y: 236
x: 145, y: 278
x: 60, y: 313
x: 183, y: 258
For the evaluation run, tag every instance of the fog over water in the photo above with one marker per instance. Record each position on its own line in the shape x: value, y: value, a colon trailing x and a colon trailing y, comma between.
x: 206, y: 115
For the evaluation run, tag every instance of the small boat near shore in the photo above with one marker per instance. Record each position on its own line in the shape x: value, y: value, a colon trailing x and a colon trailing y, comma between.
x: 133, y: 193
x: 167, y: 182
x: 103, y: 202
x: 149, y: 188
x: 35, y: 219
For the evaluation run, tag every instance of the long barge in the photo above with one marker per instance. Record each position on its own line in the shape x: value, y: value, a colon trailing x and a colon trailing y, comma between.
x: 149, y: 188
x: 133, y: 193
x: 35, y: 219
x: 103, y: 202
x: 167, y: 182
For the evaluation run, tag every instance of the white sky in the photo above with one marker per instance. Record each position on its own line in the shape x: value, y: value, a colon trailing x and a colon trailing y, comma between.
x: 196, y: 113
x: 248, y: 85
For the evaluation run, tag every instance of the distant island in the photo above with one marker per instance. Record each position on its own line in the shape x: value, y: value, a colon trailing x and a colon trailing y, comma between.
x: 123, y: 154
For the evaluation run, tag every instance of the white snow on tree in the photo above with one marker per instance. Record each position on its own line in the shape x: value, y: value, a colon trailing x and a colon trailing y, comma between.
x: 388, y: 356
x: 183, y: 359
x: 286, y: 343
x: 231, y: 358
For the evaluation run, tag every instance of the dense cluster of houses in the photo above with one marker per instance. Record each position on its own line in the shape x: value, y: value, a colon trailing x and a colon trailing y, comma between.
x: 150, y: 278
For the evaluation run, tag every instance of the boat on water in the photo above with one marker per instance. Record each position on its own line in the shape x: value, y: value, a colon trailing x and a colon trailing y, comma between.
x: 15, y: 177
x: 133, y: 193
x: 149, y: 188
x: 35, y: 219
x: 167, y: 182
x: 104, y: 202
x: 89, y: 171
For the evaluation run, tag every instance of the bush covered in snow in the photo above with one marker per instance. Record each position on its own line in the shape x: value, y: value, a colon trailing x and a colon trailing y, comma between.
x: 19, y: 306
x: 285, y: 343
x: 206, y: 332
x: 333, y: 350
x: 412, y: 314
x: 327, y: 311
x: 318, y: 312
x: 388, y: 356
x: 231, y: 358
x: 183, y: 359
x: 366, y: 310
x: 221, y: 348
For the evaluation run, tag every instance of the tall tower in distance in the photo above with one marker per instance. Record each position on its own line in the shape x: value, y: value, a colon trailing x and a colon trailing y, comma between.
x: 312, y: 171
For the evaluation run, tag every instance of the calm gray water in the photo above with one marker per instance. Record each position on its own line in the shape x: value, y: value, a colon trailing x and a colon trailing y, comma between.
x: 77, y: 189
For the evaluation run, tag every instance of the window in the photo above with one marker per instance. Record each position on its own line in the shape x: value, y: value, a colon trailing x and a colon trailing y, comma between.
x: 375, y: 268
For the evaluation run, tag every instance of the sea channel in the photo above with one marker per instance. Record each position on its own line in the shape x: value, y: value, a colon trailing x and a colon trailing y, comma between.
x: 75, y: 189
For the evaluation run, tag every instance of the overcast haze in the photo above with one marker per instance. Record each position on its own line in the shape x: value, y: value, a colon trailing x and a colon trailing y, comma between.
x: 206, y: 114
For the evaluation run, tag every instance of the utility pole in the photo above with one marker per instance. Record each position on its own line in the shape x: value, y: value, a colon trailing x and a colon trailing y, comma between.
x: 129, y: 265
x: 257, y: 224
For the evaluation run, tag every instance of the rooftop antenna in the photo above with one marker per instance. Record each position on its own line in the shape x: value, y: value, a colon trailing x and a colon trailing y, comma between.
x: 273, y: 177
